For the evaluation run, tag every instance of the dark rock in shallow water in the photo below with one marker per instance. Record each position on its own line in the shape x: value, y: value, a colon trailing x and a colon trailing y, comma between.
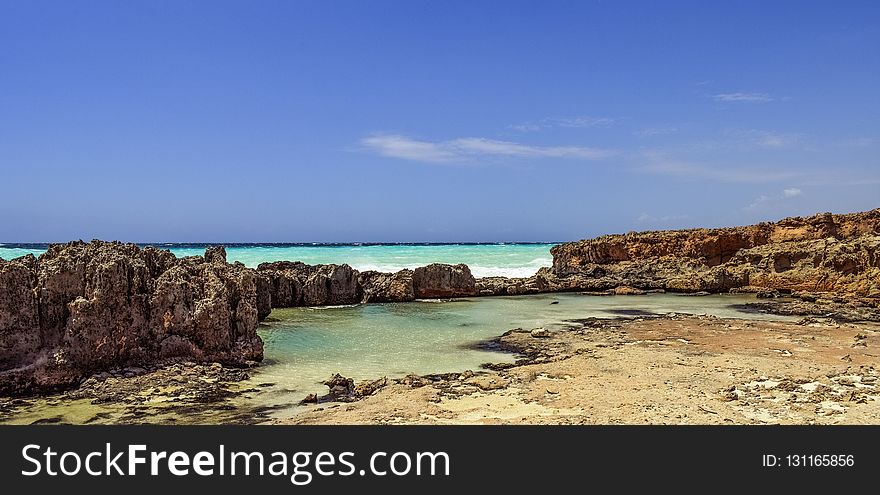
x: 86, y: 307
x: 386, y: 287
x: 330, y: 285
x: 343, y: 389
x: 505, y: 286
x: 340, y: 386
x: 284, y: 286
x: 440, y: 280
x: 294, y: 284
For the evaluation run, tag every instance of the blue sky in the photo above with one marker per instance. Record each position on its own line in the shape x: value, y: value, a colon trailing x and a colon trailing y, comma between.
x: 431, y: 121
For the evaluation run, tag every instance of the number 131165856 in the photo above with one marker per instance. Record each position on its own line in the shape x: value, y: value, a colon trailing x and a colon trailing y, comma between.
x: 808, y: 460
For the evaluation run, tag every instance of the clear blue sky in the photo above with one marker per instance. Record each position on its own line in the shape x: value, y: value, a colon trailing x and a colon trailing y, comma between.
x: 430, y: 121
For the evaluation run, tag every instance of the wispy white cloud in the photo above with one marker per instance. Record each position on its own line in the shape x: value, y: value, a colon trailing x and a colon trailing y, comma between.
x: 791, y: 192
x: 582, y: 121
x: 758, y: 202
x: 742, y: 97
x: 398, y: 146
x: 764, y: 201
x: 471, y: 149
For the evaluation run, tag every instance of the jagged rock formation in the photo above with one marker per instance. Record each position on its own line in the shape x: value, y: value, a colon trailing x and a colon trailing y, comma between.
x: 331, y: 285
x: 504, y: 286
x: 438, y: 280
x: 297, y: 284
x: 386, y: 287
x: 82, y: 307
x: 825, y: 252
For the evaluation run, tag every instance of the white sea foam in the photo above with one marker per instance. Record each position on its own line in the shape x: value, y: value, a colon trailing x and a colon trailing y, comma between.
x: 526, y: 270
x: 337, y: 306
x: 488, y: 260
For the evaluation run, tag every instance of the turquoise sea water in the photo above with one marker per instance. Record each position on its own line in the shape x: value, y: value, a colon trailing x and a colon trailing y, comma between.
x: 484, y: 260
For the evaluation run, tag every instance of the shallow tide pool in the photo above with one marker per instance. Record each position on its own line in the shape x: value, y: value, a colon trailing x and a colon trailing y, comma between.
x: 304, y: 346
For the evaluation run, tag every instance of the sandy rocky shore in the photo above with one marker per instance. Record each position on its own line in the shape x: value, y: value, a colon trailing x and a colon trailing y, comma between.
x: 669, y: 369
x: 113, y: 322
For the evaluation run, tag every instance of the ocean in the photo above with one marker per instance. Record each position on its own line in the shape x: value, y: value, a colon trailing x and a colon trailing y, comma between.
x: 484, y: 260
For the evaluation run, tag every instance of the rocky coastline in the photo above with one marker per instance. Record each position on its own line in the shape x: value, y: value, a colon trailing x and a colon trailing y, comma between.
x: 826, y: 255
x: 81, y: 309
x: 823, y: 253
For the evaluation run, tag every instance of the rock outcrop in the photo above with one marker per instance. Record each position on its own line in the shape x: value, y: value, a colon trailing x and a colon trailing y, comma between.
x: 284, y: 279
x: 386, y: 287
x: 825, y: 252
x: 438, y: 280
x: 504, y: 286
x: 328, y: 285
x: 82, y: 308
x: 297, y: 284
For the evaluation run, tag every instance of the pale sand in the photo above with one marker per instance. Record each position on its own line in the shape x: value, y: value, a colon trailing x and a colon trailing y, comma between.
x: 679, y: 370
